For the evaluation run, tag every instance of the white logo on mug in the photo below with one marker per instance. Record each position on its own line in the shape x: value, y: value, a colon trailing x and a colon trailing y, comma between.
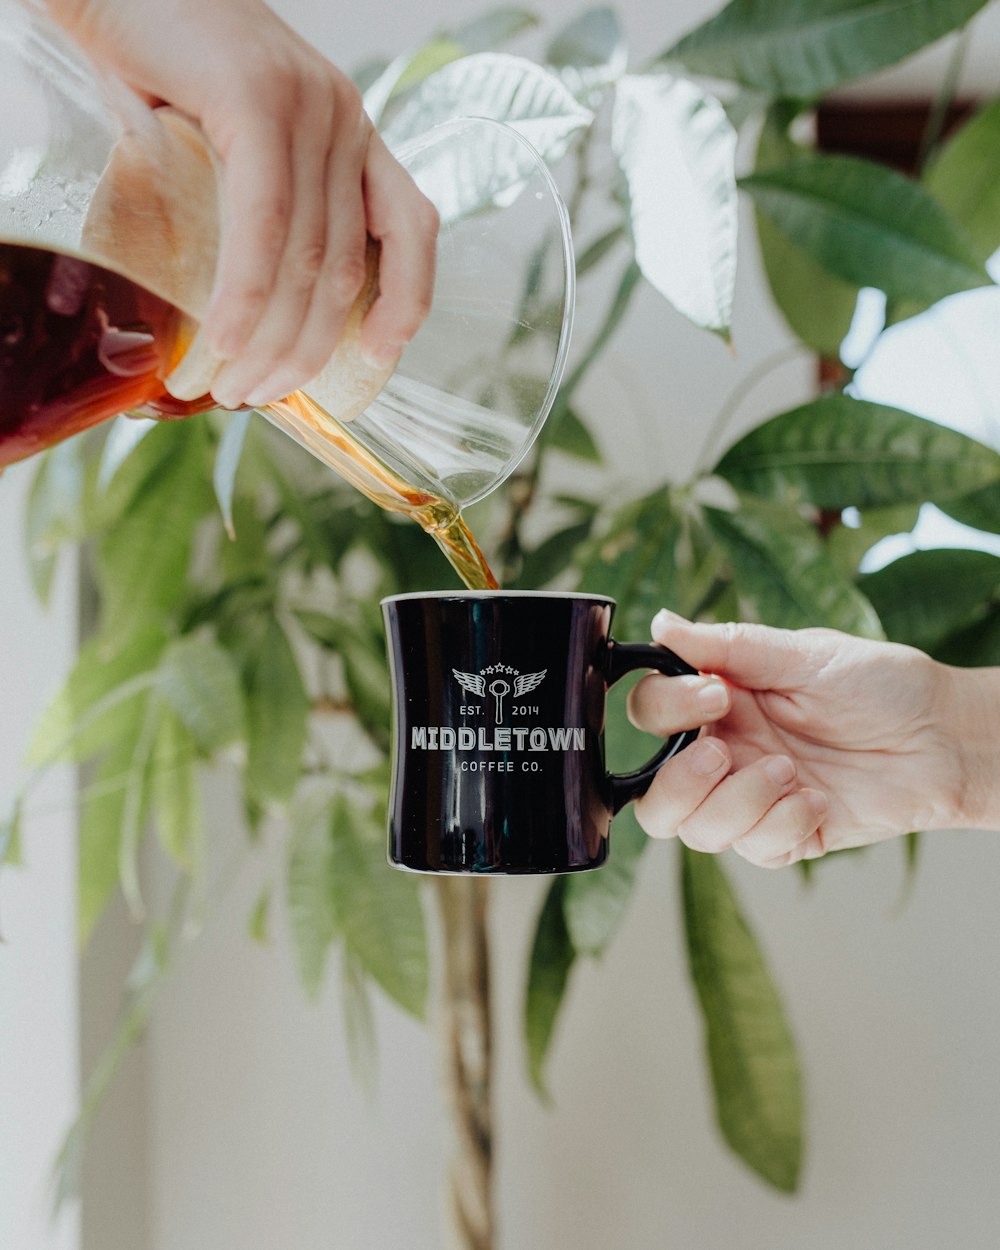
x: 499, y: 687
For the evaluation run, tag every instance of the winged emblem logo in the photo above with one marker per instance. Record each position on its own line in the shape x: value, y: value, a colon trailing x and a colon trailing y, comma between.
x: 499, y: 687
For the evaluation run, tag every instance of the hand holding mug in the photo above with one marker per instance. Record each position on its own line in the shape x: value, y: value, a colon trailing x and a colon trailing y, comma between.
x: 820, y: 741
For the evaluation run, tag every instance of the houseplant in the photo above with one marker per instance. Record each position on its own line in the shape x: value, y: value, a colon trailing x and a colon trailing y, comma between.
x: 238, y: 652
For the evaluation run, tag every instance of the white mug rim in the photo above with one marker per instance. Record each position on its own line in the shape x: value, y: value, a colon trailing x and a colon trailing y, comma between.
x: 497, y: 594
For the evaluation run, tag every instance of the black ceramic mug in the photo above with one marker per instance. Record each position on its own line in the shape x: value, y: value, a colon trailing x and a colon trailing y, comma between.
x: 498, y: 753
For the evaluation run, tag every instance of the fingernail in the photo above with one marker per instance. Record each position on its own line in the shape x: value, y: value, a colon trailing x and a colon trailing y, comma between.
x: 270, y: 390
x: 817, y: 802
x: 384, y: 357
x: 665, y: 617
x: 780, y: 769
x: 226, y: 399
x: 813, y: 847
x: 706, y: 757
x: 713, y: 698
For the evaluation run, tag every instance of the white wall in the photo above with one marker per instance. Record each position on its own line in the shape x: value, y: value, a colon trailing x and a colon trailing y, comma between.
x: 38, y: 989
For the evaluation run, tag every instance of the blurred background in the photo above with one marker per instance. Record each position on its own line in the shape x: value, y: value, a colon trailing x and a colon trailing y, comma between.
x: 237, y: 1120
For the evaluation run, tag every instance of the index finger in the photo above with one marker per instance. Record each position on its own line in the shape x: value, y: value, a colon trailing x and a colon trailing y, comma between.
x: 756, y: 656
x: 405, y: 222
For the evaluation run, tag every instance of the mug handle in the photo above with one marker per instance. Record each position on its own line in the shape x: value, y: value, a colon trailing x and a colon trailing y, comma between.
x: 626, y: 657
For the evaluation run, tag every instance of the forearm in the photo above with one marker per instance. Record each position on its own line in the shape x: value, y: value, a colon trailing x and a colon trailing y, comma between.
x: 971, y: 724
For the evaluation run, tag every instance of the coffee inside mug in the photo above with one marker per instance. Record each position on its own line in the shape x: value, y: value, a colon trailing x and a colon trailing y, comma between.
x: 498, y: 730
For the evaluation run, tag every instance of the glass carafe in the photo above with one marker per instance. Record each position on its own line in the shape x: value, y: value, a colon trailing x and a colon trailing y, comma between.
x: 108, y: 237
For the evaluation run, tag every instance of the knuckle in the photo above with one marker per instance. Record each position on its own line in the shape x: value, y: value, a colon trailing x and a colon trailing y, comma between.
x: 426, y: 218
x: 267, y: 224
x: 347, y: 101
x: 248, y: 294
x: 346, y: 277
x: 308, y: 262
x: 762, y: 850
x: 409, y: 317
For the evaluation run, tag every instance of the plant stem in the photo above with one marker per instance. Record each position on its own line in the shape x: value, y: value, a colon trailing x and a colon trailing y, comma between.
x: 467, y: 1047
x: 943, y: 100
x: 710, y: 450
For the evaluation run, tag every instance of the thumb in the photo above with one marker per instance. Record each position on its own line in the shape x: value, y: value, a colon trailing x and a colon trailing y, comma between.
x: 755, y: 656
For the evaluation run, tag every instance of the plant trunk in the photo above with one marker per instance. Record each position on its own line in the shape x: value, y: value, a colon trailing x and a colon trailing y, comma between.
x: 466, y: 1040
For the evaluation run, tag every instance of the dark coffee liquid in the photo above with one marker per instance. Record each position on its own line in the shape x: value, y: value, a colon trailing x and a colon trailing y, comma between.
x: 78, y: 344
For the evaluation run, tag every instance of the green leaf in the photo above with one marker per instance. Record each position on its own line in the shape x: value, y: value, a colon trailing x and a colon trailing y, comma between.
x: 627, y: 283
x: 115, y: 792
x: 259, y: 926
x: 125, y: 433
x: 277, y: 712
x: 677, y: 149
x: 837, y: 451
x: 10, y: 837
x: 143, y: 557
x: 365, y: 670
x: 227, y: 461
x: 869, y: 226
x: 849, y: 544
x: 751, y: 1053
x: 144, y: 982
x: 964, y: 177
x: 493, y: 28
x: 329, y: 524
x: 377, y: 909
x: 553, y: 556
x: 54, y: 511
x: 134, y: 810
x: 573, y: 437
x: 505, y: 88
x: 198, y: 679
x: 552, y: 957
x: 411, y: 562
x: 367, y: 675
x: 593, y: 39
x: 359, y: 1025
x: 174, y: 791
x: 634, y: 562
x: 923, y: 597
x: 595, y: 902
x: 976, y: 646
x: 589, y: 52
x: 406, y: 71
x: 328, y: 631
x: 980, y: 508
x: 818, y: 307
x: 595, y: 252
x: 312, y: 917
x: 798, y: 50
x: 782, y: 570
x: 95, y: 705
